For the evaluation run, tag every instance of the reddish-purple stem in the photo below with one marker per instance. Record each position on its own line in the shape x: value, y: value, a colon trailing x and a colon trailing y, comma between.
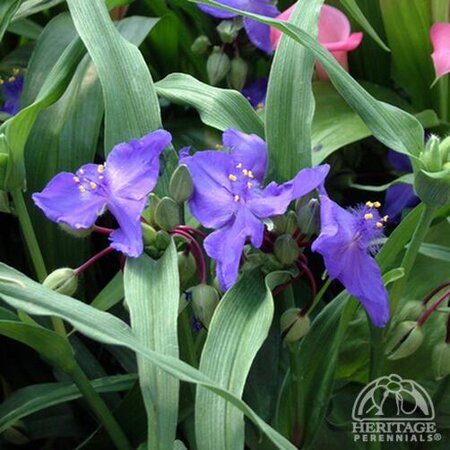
x: 434, y: 292
x: 102, y: 230
x: 191, y: 230
x: 93, y: 260
x: 433, y: 308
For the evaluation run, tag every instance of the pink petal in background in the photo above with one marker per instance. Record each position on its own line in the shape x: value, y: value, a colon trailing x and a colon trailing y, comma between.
x: 440, y: 38
x: 334, y: 34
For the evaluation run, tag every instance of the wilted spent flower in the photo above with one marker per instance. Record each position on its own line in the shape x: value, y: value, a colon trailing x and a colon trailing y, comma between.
x: 412, y: 310
x: 228, y: 30
x: 200, y: 45
x: 406, y: 338
x: 63, y: 281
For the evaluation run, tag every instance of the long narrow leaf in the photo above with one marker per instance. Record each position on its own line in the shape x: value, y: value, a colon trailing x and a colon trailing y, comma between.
x: 152, y: 295
x: 23, y: 293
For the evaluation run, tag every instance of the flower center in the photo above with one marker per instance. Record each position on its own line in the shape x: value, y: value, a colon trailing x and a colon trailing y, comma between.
x: 242, y: 181
x: 90, y: 180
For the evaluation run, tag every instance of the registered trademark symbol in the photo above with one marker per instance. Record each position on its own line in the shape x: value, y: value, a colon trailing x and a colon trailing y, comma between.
x: 437, y: 436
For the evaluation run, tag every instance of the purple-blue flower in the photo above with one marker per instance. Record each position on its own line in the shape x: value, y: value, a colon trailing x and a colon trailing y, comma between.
x: 399, y: 196
x: 229, y: 197
x: 11, y: 91
x: 258, y: 33
x: 255, y: 92
x: 121, y: 185
x: 347, y: 240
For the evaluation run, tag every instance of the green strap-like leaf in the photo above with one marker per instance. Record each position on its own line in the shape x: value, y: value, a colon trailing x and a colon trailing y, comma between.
x: 35, y: 398
x: 290, y: 100
x: 131, y: 104
x: 218, y: 108
x: 239, y: 326
x: 7, y: 10
x: 353, y: 8
x: 25, y: 294
x: 390, y: 125
x: 152, y: 295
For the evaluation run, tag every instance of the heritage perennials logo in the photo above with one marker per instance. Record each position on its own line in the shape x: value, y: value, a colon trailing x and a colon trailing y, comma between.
x: 391, y: 409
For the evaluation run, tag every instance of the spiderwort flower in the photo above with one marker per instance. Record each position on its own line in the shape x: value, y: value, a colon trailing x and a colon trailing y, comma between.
x: 229, y: 197
x: 121, y: 185
x: 440, y: 38
x: 334, y: 34
x: 257, y: 32
x: 255, y: 92
x: 11, y: 91
x: 347, y: 240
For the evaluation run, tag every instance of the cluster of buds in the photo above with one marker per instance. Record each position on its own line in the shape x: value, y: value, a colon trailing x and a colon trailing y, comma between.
x: 432, y: 172
x: 408, y: 336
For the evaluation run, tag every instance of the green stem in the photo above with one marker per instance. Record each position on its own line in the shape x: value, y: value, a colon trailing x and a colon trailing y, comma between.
x: 100, y: 409
x: 34, y: 249
x: 411, y: 255
x: 318, y: 297
x: 29, y: 235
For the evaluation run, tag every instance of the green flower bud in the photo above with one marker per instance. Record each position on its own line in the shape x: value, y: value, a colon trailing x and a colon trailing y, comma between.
x: 217, y: 66
x: 412, y: 310
x: 153, y: 252
x: 4, y: 158
x: 286, y: 249
x: 441, y: 360
x: 293, y: 325
x: 291, y: 222
x: 167, y: 214
x: 406, y: 338
x: 162, y: 240
x: 64, y: 281
x: 204, y: 302
x: 279, y: 224
x: 238, y: 73
x: 181, y: 186
x: 186, y: 267
x: 149, y: 212
x: 228, y: 31
x: 308, y: 216
x: 148, y: 234
x: 431, y: 157
x: 200, y: 45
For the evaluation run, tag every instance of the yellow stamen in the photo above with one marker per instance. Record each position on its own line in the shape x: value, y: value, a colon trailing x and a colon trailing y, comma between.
x: 368, y: 216
x: 93, y: 185
x: 377, y: 205
x: 218, y: 146
x: 379, y: 225
x: 249, y: 185
x: 385, y: 219
x: 250, y: 174
x: 245, y: 172
x: 369, y: 204
x: 12, y: 79
x: 100, y: 168
x: 16, y: 71
x: 232, y: 177
x: 236, y: 198
x: 1, y: 82
x: 82, y: 189
x: 76, y: 179
x: 239, y: 166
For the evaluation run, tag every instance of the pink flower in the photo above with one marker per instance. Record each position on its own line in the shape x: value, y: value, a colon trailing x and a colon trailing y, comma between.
x: 334, y: 34
x: 440, y: 38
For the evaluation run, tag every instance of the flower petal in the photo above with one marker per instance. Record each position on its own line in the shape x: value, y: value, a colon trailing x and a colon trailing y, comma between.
x: 63, y: 202
x: 128, y: 238
x: 132, y: 169
x: 440, y: 38
x: 255, y: 91
x: 226, y: 244
x: 259, y: 35
x: 249, y: 150
x: 275, y: 199
x: 349, y: 262
x: 12, y: 91
x: 212, y: 202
